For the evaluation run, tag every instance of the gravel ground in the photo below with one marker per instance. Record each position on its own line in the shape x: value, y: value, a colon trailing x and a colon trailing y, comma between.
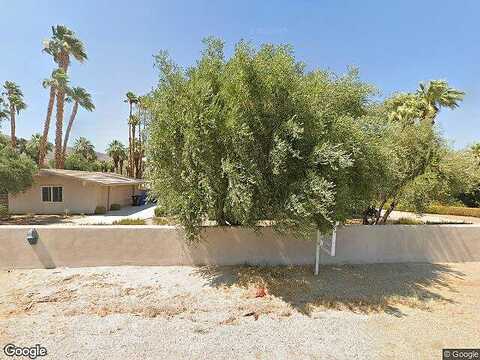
x: 397, y: 311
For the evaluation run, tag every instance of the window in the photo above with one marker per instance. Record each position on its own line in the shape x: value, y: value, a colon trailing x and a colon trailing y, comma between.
x: 52, y: 193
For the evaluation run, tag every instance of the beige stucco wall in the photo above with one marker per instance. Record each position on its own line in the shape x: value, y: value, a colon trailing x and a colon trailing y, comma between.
x: 163, y: 245
x: 121, y: 195
x: 78, y: 197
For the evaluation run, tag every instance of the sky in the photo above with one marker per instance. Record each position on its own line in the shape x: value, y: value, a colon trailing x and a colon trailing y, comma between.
x: 394, y: 44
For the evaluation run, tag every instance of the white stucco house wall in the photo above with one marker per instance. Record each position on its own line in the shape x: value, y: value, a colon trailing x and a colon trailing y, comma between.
x: 56, y: 191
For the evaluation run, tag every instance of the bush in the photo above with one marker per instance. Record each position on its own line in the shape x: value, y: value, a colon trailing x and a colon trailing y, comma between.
x: 454, y: 210
x: 100, y: 210
x: 3, y: 211
x: 129, y: 222
x: 160, y: 211
x: 406, y: 221
x: 115, y: 207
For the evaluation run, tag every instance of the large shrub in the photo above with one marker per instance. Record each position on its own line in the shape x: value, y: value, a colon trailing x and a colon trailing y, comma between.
x: 16, y: 171
x: 256, y: 137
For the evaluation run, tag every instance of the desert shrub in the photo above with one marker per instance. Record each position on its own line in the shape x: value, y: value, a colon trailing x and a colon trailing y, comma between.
x: 454, y: 210
x: 115, y: 207
x: 100, y: 210
x: 129, y: 222
x: 3, y: 211
x: 405, y: 221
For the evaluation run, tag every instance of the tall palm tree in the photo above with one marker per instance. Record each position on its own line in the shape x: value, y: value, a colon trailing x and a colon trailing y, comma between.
x: 117, y: 151
x: 61, y: 46
x: 58, y: 80
x: 85, y: 148
x: 436, y: 94
x: 15, y: 104
x: 81, y: 97
x: 131, y: 99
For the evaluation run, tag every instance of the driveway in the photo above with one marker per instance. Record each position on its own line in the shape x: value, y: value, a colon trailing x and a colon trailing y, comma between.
x: 131, y: 212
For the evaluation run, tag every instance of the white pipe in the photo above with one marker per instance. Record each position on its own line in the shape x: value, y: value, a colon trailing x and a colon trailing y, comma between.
x: 317, y: 253
x: 334, y: 239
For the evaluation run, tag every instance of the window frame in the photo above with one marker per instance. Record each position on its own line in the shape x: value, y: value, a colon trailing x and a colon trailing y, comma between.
x: 50, y: 187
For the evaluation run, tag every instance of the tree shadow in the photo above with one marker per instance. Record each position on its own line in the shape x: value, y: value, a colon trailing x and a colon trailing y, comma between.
x: 366, y: 289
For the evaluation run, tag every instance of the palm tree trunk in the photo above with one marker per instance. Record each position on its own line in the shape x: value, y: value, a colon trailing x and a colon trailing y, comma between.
x: 134, y: 152
x: 59, y: 130
x: 130, y: 144
x: 12, y: 126
x: 69, y: 128
x: 42, y: 151
x: 63, y: 64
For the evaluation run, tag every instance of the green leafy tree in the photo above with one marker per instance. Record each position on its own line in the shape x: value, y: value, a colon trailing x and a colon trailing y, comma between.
x: 255, y: 137
x: 82, y: 98
x: 16, y: 170
x: 14, y: 103
x: 76, y: 161
x: 62, y: 46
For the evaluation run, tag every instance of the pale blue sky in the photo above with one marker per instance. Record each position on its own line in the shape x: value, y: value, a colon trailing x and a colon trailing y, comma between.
x: 395, y: 45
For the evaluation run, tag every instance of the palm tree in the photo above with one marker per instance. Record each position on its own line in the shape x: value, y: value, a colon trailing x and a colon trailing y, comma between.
x: 116, y: 150
x: 61, y: 46
x: 58, y: 80
x: 85, y: 148
x: 436, y: 94
x: 131, y: 99
x: 81, y: 97
x: 3, y: 111
x: 32, y: 147
x: 15, y: 104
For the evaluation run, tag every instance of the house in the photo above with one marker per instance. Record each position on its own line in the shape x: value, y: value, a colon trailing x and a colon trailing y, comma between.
x: 56, y: 191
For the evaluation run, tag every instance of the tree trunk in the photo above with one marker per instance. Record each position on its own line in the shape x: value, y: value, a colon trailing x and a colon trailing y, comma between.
x: 115, y: 164
x: 130, y: 144
x: 388, y: 212
x: 380, y: 208
x: 134, y: 167
x: 64, y: 60
x: 59, y: 130
x: 42, y: 151
x: 69, y: 128
x: 12, y: 126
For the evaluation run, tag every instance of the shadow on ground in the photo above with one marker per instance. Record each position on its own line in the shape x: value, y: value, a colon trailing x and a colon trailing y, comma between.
x: 359, y: 288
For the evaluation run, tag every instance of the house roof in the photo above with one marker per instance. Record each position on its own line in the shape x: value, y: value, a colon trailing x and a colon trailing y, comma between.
x: 94, y: 177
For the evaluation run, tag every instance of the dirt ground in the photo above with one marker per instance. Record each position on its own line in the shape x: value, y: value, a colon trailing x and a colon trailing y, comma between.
x: 395, y: 311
